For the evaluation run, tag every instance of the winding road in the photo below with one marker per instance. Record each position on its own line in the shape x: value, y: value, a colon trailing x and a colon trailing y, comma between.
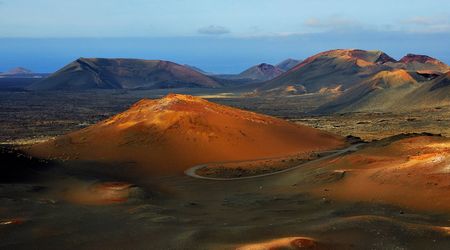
x: 192, y: 171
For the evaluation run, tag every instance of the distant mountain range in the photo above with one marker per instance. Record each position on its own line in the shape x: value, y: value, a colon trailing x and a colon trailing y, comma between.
x: 359, y: 80
x: 347, y: 68
x: 364, y: 80
x: 102, y: 73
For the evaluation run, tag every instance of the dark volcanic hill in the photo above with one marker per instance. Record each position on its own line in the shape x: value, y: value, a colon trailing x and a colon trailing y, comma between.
x: 332, y: 69
x: 100, y: 73
x: 288, y: 64
x: 261, y: 72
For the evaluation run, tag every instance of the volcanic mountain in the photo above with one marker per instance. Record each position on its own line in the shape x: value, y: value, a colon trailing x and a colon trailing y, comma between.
x: 99, y: 73
x: 288, y: 64
x: 176, y: 132
x: 380, y: 92
x: 262, y: 72
x: 331, y: 69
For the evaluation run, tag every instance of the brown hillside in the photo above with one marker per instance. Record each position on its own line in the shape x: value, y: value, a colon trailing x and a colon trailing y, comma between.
x: 171, y: 134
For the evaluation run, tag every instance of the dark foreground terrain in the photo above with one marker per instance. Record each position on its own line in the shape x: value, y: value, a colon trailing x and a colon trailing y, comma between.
x: 75, y: 205
x: 88, y: 205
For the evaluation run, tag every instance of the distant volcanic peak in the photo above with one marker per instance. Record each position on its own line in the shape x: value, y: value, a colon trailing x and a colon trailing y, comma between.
x: 288, y: 61
x: 288, y: 64
x: 263, y: 71
x: 420, y: 59
x: 18, y: 71
x: 268, y: 67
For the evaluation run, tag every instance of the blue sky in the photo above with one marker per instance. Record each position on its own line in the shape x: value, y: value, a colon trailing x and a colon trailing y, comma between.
x: 220, y: 35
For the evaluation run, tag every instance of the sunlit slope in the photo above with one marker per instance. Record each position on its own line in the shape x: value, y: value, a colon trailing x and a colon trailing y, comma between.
x: 178, y: 131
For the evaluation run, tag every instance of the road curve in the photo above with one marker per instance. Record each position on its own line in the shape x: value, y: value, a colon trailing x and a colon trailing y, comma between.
x: 192, y: 171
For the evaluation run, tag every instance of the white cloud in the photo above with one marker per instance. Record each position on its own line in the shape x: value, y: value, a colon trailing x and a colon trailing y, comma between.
x: 427, y: 24
x: 332, y: 23
x: 420, y: 20
x: 213, y: 30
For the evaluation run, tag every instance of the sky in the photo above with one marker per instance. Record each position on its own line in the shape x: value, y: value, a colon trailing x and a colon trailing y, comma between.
x: 223, y: 36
